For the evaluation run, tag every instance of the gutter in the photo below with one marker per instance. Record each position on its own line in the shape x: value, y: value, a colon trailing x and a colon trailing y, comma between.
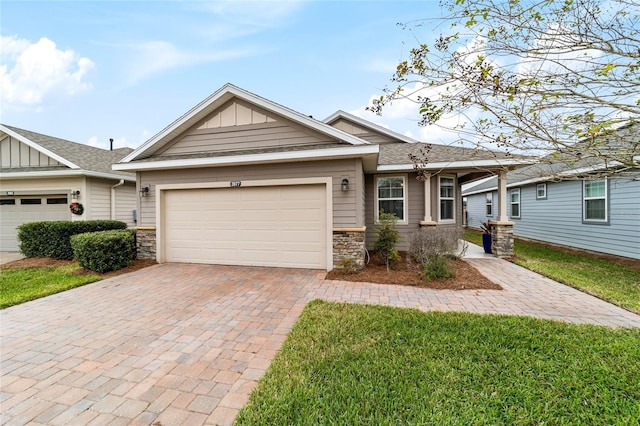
x: 113, y: 198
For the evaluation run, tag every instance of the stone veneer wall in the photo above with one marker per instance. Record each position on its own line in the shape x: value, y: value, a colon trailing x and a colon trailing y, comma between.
x: 502, y: 239
x: 146, y: 242
x: 348, y: 245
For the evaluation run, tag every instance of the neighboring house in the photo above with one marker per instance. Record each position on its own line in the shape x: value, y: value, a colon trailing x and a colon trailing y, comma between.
x: 41, y: 176
x: 569, y: 205
x: 241, y: 180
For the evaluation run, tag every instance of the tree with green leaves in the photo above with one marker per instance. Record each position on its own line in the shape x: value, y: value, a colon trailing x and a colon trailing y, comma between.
x: 553, y: 79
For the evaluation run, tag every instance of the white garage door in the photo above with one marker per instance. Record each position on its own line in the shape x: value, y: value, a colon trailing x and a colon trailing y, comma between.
x: 15, y: 211
x: 283, y: 226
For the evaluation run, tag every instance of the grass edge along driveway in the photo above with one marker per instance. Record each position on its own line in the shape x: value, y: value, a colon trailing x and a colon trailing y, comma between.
x: 22, y: 285
x: 360, y: 364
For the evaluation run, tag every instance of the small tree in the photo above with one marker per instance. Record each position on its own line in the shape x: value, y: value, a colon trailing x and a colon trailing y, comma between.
x: 388, y: 237
x: 552, y: 79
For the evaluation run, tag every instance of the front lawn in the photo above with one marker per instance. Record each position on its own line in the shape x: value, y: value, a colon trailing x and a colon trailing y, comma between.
x: 612, y: 281
x: 21, y: 285
x: 355, y: 364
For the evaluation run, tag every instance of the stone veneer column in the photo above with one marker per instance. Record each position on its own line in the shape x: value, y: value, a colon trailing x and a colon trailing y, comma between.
x: 502, y: 238
x: 146, y: 242
x: 348, y: 246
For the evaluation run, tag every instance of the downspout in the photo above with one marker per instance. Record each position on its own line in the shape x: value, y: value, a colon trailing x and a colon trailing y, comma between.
x: 113, y: 198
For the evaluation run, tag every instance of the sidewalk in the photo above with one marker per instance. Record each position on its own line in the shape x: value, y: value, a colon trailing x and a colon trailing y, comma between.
x: 524, y: 293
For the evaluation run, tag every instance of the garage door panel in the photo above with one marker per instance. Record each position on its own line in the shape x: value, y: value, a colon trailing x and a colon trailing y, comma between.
x: 260, y: 226
x: 14, y: 215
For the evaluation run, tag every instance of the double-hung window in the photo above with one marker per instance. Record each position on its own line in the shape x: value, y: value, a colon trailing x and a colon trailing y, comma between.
x: 515, y: 203
x: 541, y: 191
x: 391, y: 196
x: 594, y: 208
x: 489, y: 204
x: 447, y: 198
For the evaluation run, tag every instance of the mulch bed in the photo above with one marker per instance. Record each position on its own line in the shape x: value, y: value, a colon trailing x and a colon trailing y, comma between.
x: 466, y: 277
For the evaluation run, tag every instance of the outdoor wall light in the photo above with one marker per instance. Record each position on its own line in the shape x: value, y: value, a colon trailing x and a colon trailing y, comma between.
x: 345, y: 185
x: 144, y: 191
x: 75, y: 193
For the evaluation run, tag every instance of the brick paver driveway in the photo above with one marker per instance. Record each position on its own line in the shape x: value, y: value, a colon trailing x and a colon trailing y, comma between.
x: 185, y: 344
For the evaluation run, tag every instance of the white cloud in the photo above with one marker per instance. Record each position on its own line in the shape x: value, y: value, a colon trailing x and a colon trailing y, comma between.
x: 32, y: 72
x: 157, y: 56
x: 255, y: 13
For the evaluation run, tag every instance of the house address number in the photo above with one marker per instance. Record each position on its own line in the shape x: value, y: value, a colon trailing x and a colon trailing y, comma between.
x: 235, y: 183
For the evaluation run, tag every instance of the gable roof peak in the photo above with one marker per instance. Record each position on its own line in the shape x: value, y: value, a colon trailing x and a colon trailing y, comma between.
x: 219, y: 98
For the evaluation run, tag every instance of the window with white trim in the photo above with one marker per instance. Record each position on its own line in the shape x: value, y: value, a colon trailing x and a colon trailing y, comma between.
x: 515, y: 202
x: 489, y: 204
x: 391, y: 196
x: 594, y: 206
x: 447, y: 198
x: 541, y: 191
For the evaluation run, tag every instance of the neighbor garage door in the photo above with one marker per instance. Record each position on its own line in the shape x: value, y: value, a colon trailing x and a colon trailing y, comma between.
x: 282, y: 226
x: 15, y: 211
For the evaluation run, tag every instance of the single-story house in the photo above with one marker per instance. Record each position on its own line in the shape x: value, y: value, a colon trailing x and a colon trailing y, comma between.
x: 572, y: 205
x: 242, y: 180
x: 48, y: 178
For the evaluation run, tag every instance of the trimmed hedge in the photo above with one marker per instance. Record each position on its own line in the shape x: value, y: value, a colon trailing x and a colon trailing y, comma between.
x: 104, y: 251
x: 52, y: 239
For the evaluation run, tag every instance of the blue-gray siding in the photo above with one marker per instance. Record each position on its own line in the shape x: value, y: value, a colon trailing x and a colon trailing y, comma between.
x: 558, y: 218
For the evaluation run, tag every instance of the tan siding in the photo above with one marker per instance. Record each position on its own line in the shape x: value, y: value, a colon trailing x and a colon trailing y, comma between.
x: 268, y: 135
x: 348, y: 126
x: 361, y: 132
x: 126, y: 202
x: 344, y: 203
x: 415, y: 210
x: 241, y: 126
x: 42, y: 186
x: 99, y: 193
x: 14, y: 153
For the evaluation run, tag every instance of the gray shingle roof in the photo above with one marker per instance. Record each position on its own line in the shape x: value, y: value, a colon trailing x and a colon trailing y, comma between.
x: 84, y: 156
x: 398, y: 153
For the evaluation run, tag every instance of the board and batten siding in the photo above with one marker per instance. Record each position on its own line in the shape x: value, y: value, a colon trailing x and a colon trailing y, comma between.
x: 558, y: 218
x: 241, y: 126
x: 344, y: 203
x: 14, y: 153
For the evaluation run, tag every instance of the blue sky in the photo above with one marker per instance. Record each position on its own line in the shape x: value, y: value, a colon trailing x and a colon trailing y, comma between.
x: 89, y: 71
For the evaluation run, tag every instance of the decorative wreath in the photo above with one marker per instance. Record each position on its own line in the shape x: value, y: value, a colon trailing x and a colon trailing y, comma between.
x: 76, y: 208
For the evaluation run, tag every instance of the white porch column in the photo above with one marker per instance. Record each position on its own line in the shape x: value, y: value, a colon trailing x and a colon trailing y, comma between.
x: 427, y: 220
x: 502, y: 197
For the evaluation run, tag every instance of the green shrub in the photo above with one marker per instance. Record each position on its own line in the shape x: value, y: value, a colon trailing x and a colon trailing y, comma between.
x: 52, y: 239
x: 388, y: 238
x: 432, y: 247
x: 104, y: 251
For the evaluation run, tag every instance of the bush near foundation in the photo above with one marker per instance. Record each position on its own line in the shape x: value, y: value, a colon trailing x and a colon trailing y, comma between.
x: 432, y: 247
x: 52, y: 239
x: 104, y: 251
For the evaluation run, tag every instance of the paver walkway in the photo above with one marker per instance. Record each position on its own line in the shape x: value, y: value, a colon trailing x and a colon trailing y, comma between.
x: 185, y: 344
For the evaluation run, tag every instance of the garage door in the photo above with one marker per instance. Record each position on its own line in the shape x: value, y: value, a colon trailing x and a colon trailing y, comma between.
x: 15, y: 211
x: 282, y: 226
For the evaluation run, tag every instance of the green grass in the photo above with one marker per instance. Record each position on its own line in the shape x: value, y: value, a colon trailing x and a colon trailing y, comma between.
x: 21, y: 285
x: 354, y: 364
x: 616, y: 283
